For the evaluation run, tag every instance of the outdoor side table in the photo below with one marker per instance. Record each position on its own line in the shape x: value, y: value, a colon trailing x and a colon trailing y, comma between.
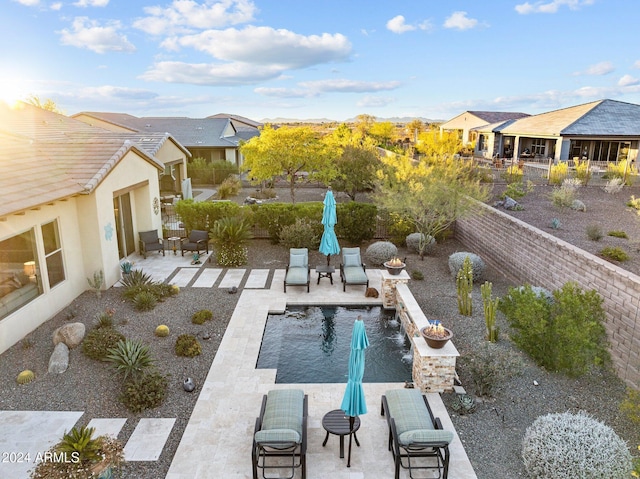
x: 325, y: 272
x: 173, y: 243
x: 337, y: 423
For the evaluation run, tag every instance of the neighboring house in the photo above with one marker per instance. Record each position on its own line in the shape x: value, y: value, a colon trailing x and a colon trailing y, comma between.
x: 464, y: 123
x: 74, y: 198
x: 213, y: 138
x: 601, y: 131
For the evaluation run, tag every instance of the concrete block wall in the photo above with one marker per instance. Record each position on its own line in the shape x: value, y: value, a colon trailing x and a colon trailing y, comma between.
x: 526, y: 254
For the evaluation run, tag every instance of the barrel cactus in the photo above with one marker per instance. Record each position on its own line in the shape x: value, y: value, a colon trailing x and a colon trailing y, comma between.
x: 380, y: 251
x: 25, y: 377
x: 162, y: 331
x: 456, y: 260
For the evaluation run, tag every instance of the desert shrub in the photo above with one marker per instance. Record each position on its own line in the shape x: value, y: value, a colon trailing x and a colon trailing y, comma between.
x: 202, y: 316
x: 162, y: 331
x: 618, y: 234
x: 144, y: 392
x: 517, y: 190
x: 558, y: 173
x: 380, y: 251
x: 555, y: 224
x: 215, y: 172
x: 230, y: 236
x: 566, y: 446
x: 578, y: 205
x: 144, y: 301
x: 230, y: 187
x: 614, y: 253
x: 513, y: 174
x: 583, y: 174
x: 634, y: 203
x: 188, y: 346
x: 130, y: 357
x: 420, y: 243
x: 456, y: 260
x: 98, y: 341
x: 105, y: 319
x: 630, y: 406
x: 201, y: 215
x: 274, y: 216
x: 594, y: 232
x: 417, y: 275
x: 398, y: 226
x: 301, y: 234
x: 565, y: 335
x: 613, y: 186
x: 489, y: 367
x: 623, y: 170
x: 564, y: 195
x: 356, y: 221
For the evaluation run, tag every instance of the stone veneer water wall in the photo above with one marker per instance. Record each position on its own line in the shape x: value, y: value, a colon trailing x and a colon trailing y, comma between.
x: 529, y: 255
x: 434, y: 370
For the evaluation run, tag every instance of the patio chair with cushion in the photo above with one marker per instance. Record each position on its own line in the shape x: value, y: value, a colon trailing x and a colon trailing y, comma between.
x: 197, y: 241
x: 414, y: 433
x: 352, y: 269
x: 298, y: 272
x: 281, y: 432
x: 149, y: 241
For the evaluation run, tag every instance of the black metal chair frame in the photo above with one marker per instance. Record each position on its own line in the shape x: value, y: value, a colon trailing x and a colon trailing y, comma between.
x: 260, y: 452
x: 437, y: 450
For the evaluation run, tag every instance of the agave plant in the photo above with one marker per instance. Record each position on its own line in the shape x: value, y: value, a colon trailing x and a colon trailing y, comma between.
x: 80, y: 442
x: 130, y: 357
x: 229, y: 235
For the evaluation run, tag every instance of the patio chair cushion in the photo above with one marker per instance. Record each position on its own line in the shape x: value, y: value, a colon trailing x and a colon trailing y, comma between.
x: 281, y: 436
x: 297, y: 276
x: 149, y: 237
x: 284, y: 411
x: 425, y: 435
x: 351, y: 260
x: 355, y: 275
x: 297, y: 261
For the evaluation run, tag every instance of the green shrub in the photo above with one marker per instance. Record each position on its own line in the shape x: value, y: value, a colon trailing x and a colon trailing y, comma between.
x: 140, y: 282
x: 130, y: 357
x: 223, y: 169
x: 144, y: 301
x: 421, y: 244
x: 301, y: 234
x: 456, y: 261
x: 105, y: 319
x: 398, y: 226
x: 230, y: 187
x: 201, y: 215
x: 634, y: 203
x: 630, y: 406
x: 144, y: 392
x: 380, y: 251
x: 356, y: 221
x: 202, y: 316
x: 567, y: 446
x: 558, y: 173
x: 513, y: 174
x: 230, y: 236
x: 566, y: 334
x: 489, y: 367
x: 517, y: 190
x: 583, y: 174
x: 594, y: 232
x: 274, y: 216
x: 618, y: 234
x: 188, y: 346
x: 417, y: 275
x: 563, y: 196
x: 614, y: 253
x: 621, y: 170
x: 98, y: 341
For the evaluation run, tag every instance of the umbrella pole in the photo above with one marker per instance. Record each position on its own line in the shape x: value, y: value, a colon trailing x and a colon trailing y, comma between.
x: 351, y: 422
x: 328, y: 259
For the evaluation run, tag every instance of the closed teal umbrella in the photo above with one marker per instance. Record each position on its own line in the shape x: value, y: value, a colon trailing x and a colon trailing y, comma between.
x: 329, y: 242
x: 353, y: 402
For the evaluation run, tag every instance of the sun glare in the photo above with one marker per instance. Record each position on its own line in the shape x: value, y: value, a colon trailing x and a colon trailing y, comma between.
x: 12, y: 91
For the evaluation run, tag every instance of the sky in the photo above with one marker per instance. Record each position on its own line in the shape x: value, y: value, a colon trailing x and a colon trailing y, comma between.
x: 332, y: 59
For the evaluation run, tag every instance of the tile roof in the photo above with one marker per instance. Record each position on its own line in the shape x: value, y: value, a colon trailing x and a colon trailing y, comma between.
x: 190, y: 132
x: 45, y: 156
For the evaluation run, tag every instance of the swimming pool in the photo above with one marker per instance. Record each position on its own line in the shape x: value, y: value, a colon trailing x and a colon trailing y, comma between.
x: 310, y: 344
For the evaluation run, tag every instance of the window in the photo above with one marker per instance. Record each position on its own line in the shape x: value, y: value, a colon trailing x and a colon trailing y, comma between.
x: 53, y: 253
x: 19, y: 278
x: 482, y: 143
x: 538, y: 146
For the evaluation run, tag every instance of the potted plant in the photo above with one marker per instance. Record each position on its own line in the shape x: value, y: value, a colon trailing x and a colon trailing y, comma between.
x: 126, y: 267
x: 394, y: 265
x: 80, y: 455
x: 436, y: 335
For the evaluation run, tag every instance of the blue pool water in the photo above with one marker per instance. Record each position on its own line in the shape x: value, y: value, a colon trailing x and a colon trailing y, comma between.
x: 310, y: 344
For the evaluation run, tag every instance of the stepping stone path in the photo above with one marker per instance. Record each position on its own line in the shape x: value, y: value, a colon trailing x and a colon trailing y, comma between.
x: 148, y: 439
x: 232, y: 278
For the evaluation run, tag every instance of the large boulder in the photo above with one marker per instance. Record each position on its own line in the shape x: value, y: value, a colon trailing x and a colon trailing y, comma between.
x: 59, y: 360
x: 70, y: 334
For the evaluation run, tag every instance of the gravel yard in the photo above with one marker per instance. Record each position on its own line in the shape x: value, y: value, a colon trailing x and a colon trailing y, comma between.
x: 492, y: 434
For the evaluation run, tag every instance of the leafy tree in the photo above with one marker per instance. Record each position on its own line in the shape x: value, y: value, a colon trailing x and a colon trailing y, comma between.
x: 383, y: 132
x: 431, y: 194
x: 364, y: 123
x: 356, y: 170
x: 415, y: 127
x: 434, y: 145
x: 287, y: 151
x: 47, y: 104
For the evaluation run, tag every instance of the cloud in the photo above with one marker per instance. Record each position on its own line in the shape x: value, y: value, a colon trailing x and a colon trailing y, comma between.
x: 374, y: 101
x: 118, y: 93
x: 284, y: 92
x: 397, y: 25
x: 636, y: 64
x: 267, y: 46
x: 598, y: 69
x: 91, y: 35
x: 91, y: 3
x: 28, y: 3
x: 348, y: 86
x: 628, y: 80
x: 550, y: 7
x: 460, y: 21
x: 211, y: 74
x: 187, y: 15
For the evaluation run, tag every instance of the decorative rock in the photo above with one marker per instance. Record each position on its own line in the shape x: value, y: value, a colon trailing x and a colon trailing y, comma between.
x: 59, y: 360
x: 232, y: 290
x: 70, y: 334
x: 188, y: 385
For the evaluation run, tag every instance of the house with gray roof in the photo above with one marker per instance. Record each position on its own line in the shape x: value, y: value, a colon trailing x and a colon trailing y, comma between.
x: 74, y: 198
x: 602, y: 131
x: 465, y: 123
x: 216, y: 137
